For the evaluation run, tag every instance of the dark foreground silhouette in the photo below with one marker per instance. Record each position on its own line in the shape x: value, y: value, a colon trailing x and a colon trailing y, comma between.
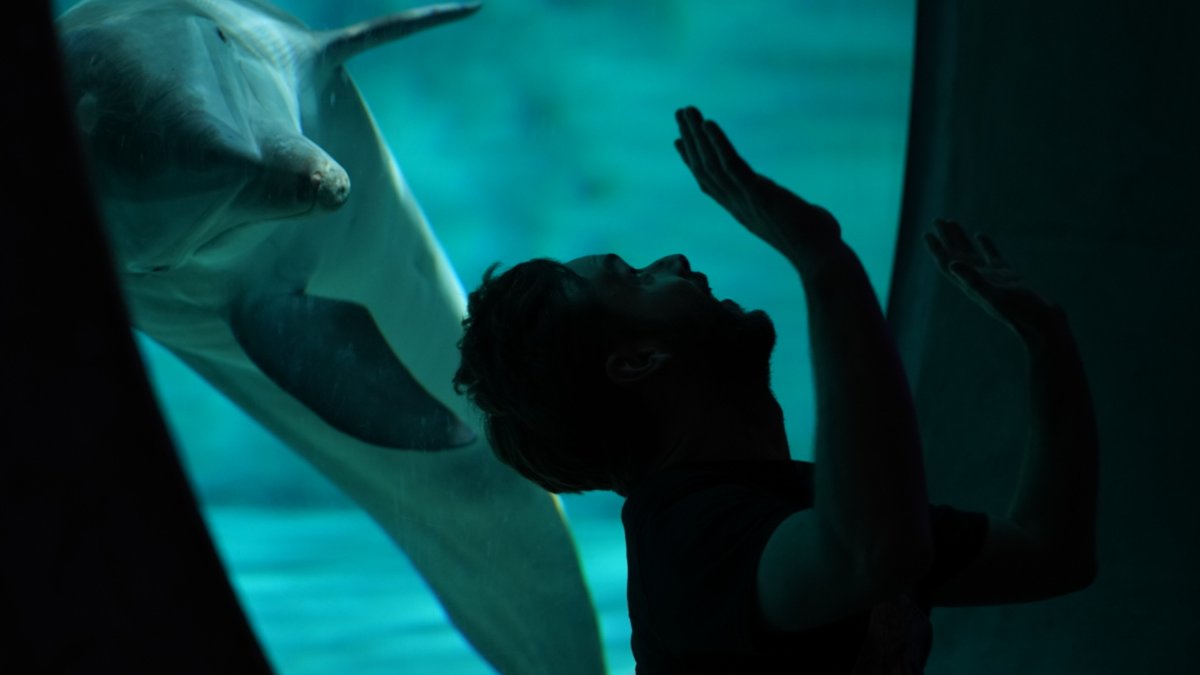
x: 595, y: 375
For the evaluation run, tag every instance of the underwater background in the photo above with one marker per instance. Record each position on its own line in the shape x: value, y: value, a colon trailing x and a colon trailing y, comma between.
x: 544, y: 128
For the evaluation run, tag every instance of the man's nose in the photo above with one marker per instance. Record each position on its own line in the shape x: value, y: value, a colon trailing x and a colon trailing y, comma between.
x: 677, y: 264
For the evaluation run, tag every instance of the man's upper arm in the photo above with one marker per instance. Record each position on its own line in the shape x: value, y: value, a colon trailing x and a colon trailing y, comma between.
x: 806, y: 580
x: 1012, y: 565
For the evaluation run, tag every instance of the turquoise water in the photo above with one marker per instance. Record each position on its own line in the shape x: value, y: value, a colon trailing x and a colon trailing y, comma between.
x: 544, y: 128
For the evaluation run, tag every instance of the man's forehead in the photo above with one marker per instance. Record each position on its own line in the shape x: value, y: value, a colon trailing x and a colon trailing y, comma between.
x: 597, y: 263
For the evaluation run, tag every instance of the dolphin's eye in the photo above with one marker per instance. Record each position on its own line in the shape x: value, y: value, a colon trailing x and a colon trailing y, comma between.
x: 221, y: 34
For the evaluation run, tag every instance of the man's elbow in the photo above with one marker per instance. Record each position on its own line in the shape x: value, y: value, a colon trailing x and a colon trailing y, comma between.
x: 1077, y: 566
x: 1084, y: 576
x: 1068, y: 579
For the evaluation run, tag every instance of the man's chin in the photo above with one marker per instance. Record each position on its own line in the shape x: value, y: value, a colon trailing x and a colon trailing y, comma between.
x: 760, y: 333
x: 733, y: 307
x: 749, y: 336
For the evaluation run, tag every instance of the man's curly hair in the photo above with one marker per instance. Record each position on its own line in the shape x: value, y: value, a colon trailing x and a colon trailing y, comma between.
x: 533, y: 361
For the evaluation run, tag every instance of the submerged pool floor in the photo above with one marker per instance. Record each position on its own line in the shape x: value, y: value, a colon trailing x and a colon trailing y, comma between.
x: 327, y: 592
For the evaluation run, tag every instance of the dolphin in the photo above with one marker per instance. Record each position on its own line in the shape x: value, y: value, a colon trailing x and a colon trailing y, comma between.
x: 263, y: 233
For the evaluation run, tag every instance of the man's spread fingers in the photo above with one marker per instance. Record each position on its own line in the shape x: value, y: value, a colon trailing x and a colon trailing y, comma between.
x: 989, y: 248
x: 952, y: 232
x: 939, y: 252
x: 688, y: 139
x: 730, y: 159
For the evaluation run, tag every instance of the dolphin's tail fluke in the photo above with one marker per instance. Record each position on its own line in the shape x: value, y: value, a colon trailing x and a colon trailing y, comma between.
x: 337, y: 46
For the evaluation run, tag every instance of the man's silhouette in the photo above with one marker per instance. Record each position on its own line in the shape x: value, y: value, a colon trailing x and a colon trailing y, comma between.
x: 595, y: 375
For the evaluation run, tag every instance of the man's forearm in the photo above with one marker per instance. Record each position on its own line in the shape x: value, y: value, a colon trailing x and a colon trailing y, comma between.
x: 870, y: 480
x: 1057, y: 493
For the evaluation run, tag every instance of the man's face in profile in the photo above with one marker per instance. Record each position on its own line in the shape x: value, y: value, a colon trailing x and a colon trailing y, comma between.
x: 667, y: 299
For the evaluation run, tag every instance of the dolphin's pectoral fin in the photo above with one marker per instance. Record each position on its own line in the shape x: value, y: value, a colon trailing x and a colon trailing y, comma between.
x: 330, y: 355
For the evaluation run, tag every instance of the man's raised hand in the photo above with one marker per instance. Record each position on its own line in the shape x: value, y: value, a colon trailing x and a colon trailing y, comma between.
x: 804, y: 233
x: 981, y: 273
